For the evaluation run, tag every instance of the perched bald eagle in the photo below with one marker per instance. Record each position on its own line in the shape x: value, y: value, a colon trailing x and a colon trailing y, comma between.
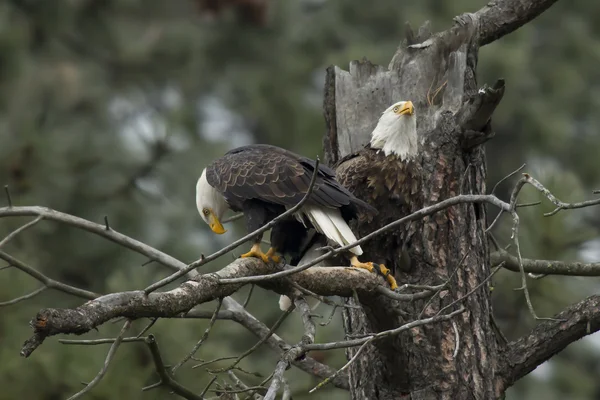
x: 264, y: 181
x: 385, y: 174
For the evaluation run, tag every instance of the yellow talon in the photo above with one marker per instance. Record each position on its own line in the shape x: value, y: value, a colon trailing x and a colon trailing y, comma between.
x: 256, y: 252
x: 371, y: 267
x: 388, y: 276
x: 272, y: 256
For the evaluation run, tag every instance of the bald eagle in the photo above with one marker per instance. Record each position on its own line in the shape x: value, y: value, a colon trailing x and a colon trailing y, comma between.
x: 264, y: 181
x: 385, y: 174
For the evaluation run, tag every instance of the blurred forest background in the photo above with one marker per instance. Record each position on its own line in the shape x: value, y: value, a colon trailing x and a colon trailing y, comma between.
x: 113, y: 107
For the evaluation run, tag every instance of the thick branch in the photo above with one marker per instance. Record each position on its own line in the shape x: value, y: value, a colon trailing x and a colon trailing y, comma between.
x: 329, y: 281
x: 548, y: 338
x: 231, y: 308
x: 500, y: 18
x: 546, y: 267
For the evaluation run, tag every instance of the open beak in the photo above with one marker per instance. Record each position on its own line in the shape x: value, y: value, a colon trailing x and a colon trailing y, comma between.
x: 216, y: 225
x: 407, y: 109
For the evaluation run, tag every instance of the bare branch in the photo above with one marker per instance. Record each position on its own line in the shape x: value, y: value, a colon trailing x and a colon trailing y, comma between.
x: 359, y: 342
x: 242, y: 386
x: 502, y: 17
x: 25, y: 297
x: 202, y: 339
x: 8, y: 198
x: 546, y: 267
x: 96, y: 229
x: 163, y: 373
x: 50, y: 283
x: 559, y: 204
x: 232, y: 218
x: 251, y: 350
x: 109, y: 357
x: 232, y: 309
x: 548, y: 338
x: 95, y: 342
x: 506, y: 177
x: 248, y: 297
x: 19, y: 230
x: 339, y: 371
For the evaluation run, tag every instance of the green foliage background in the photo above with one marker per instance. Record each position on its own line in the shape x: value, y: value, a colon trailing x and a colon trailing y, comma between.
x: 113, y: 107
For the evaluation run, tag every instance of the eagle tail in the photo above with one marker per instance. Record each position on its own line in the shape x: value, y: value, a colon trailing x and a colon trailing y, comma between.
x: 330, y: 223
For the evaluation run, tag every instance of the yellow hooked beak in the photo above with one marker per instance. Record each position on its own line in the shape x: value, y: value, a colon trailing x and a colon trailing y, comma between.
x: 215, y: 224
x: 407, y: 109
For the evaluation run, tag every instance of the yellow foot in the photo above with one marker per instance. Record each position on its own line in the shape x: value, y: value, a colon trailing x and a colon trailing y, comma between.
x: 378, y: 268
x: 271, y: 254
x: 256, y: 252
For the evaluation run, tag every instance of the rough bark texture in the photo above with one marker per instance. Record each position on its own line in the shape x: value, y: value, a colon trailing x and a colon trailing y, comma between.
x: 451, y: 122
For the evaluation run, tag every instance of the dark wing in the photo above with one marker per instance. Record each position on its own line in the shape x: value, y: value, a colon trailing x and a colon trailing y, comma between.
x: 352, y: 170
x: 277, y: 176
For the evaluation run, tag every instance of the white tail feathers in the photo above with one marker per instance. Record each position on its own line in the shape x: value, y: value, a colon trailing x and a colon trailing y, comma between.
x: 330, y: 223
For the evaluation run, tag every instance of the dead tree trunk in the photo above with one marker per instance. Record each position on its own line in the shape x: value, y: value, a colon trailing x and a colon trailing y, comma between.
x: 437, y: 73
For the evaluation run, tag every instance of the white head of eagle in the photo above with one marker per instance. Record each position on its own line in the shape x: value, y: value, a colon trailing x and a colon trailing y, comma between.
x: 396, y: 131
x: 211, y: 204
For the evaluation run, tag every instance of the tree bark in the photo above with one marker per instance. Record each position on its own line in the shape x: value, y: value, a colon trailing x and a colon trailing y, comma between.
x: 437, y: 73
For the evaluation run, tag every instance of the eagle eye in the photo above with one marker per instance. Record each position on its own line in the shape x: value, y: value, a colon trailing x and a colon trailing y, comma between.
x: 205, y: 211
x: 396, y: 109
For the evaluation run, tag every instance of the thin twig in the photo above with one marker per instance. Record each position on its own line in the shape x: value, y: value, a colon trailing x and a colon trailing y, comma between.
x: 251, y: 350
x: 150, y: 325
x: 50, y: 283
x: 111, y: 353
x: 408, y: 297
x: 98, y: 229
x: 202, y: 339
x: 238, y: 242
x: 471, y: 291
x: 232, y: 218
x: 19, y: 230
x: 560, y: 205
x: 391, y: 332
x: 515, y: 237
x: 243, y: 387
x: 163, y: 373
x: 248, y: 297
x: 533, y: 203
x: 208, y: 386
x: 95, y: 342
x: 354, y: 358
x: 25, y: 297
x: 506, y: 177
x: 8, y: 198
x: 322, y: 299
x: 330, y: 317
x: 462, y: 260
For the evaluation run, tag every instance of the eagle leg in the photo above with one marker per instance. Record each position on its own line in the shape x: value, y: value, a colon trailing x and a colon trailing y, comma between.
x: 378, y: 268
x: 256, y: 252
